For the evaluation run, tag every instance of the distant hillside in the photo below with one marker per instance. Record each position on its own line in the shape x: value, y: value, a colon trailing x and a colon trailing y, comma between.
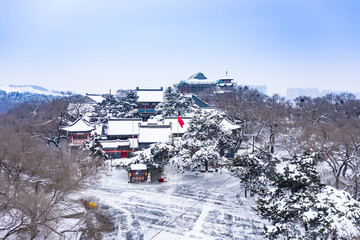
x: 32, y: 89
x: 12, y: 95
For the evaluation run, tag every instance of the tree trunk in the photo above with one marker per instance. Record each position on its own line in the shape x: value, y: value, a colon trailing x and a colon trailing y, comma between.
x: 272, y: 142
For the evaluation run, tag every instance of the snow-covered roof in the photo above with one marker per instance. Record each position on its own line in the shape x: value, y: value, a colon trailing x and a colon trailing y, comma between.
x: 153, y: 134
x: 125, y: 126
x: 227, y: 124
x: 139, y: 166
x: 199, y: 81
x: 226, y: 84
x: 226, y: 77
x: 198, y: 78
x: 96, y: 98
x: 131, y: 142
x: 175, y: 126
x: 150, y: 95
x: 114, y: 143
x: 79, y: 125
x: 199, y: 102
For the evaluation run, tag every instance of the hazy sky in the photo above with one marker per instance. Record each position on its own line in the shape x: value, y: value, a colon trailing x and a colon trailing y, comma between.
x: 97, y: 45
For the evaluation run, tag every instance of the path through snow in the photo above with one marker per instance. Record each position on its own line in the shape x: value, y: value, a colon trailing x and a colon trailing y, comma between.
x: 161, y: 210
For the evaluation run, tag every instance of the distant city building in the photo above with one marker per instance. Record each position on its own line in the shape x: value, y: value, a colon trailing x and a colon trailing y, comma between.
x: 293, y: 93
x: 260, y: 88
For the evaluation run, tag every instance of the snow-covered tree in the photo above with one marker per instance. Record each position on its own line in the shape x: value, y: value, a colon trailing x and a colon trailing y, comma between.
x: 205, y: 140
x: 255, y: 169
x: 299, y: 206
x: 156, y: 155
x: 174, y: 103
x: 128, y: 105
x: 113, y: 107
x: 109, y: 107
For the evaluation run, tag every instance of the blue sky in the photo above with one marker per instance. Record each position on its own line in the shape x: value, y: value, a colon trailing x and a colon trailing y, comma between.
x: 94, y: 46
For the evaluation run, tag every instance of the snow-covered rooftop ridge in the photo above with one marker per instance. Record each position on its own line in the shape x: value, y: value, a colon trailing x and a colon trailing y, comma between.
x: 229, y: 125
x: 114, y: 143
x: 138, y: 166
x: 31, y: 89
x: 150, y: 95
x: 154, y: 134
x: 226, y: 77
x: 199, y: 76
x: 79, y: 125
x: 124, y: 126
x: 199, y: 81
x: 95, y: 97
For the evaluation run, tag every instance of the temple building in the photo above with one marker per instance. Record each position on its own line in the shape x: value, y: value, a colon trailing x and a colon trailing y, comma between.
x: 148, y: 99
x: 153, y: 131
x: 199, y: 84
x: 225, y: 84
x: 79, y: 132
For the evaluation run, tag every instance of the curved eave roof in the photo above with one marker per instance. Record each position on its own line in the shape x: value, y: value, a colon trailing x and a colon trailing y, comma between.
x: 78, y: 126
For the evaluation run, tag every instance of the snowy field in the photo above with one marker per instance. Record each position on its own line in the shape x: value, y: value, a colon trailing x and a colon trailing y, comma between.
x: 187, y: 206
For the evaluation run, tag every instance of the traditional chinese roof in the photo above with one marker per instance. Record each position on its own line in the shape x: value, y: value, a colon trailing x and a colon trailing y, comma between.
x: 131, y: 142
x: 200, y: 103
x: 226, y: 84
x: 123, y: 126
x: 154, y: 133
x: 199, y: 76
x: 79, y: 125
x: 139, y: 166
x: 93, y: 98
x: 150, y: 95
x: 226, y: 77
x: 229, y: 125
x: 198, y: 79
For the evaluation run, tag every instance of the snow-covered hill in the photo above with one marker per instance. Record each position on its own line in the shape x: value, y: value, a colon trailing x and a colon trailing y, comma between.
x: 10, y: 95
x: 31, y: 89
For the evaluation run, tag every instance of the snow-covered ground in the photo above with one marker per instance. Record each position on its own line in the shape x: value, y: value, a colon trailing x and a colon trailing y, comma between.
x: 192, y: 205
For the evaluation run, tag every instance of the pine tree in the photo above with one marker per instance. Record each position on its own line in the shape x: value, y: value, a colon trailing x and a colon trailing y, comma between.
x: 108, y: 108
x: 156, y: 156
x: 204, y: 140
x: 113, y: 107
x: 255, y: 170
x: 299, y: 206
x: 174, y: 103
x: 128, y: 106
